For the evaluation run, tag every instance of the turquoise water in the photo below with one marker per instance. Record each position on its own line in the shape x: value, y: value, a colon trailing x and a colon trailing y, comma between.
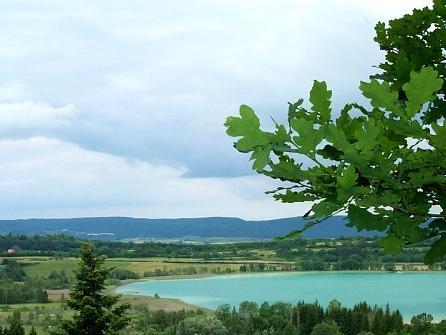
x: 411, y: 293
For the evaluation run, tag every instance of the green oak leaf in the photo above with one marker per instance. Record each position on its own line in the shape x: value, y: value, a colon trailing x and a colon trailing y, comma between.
x: 292, y: 234
x: 329, y: 152
x: 320, y: 98
x: 248, y: 127
x: 281, y: 136
x: 340, y: 142
x: 362, y: 219
x: 293, y: 110
x: 367, y: 138
x: 346, y: 182
x: 308, y: 137
x: 420, y: 178
x: 381, y: 95
x: 439, y: 138
x: 290, y: 197
x: 325, y: 208
x: 384, y: 198
x: 248, y: 121
x: 261, y: 157
x: 286, y: 169
x: 407, y: 228
x: 420, y: 89
x: 437, y: 251
x: 348, y: 125
x: 391, y: 244
x: 297, y: 233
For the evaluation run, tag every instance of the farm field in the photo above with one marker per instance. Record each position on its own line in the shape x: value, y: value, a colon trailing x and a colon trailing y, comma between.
x: 42, y: 267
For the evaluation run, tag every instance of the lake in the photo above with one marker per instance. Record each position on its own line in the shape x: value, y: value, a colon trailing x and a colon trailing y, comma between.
x: 411, y: 293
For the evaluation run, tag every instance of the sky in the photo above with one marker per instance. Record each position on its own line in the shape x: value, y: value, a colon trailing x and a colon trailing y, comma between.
x: 116, y: 108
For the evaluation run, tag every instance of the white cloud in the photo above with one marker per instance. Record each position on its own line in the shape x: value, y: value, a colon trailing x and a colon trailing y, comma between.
x: 12, y: 91
x: 33, y: 116
x: 127, y: 83
x: 41, y: 177
x: 387, y: 10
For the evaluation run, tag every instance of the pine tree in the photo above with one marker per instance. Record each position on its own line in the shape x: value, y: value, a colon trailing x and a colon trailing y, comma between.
x: 377, y: 326
x: 397, y: 321
x: 387, y: 320
x: 96, y: 313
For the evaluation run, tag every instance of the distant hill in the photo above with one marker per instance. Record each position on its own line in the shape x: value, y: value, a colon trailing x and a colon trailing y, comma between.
x: 118, y: 228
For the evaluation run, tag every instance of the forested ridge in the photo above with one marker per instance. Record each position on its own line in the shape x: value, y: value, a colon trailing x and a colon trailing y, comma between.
x: 118, y: 228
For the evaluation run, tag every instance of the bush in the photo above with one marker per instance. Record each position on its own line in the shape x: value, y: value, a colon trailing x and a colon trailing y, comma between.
x: 123, y: 274
x: 326, y: 328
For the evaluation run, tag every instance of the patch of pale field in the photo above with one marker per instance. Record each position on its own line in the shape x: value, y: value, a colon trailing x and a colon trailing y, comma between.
x: 320, y: 249
x: 31, y: 259
x: 143, y: 259
x: 169, y: 305
x: 266, y: 253
x: 56, y: 295
x: 141, y: 267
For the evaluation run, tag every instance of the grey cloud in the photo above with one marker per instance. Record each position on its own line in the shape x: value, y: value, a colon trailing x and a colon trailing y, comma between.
x: 46, y: 177
x: 154, y: 81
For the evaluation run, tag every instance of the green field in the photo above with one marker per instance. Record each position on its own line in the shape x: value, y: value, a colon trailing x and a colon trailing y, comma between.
x: 42, y: 267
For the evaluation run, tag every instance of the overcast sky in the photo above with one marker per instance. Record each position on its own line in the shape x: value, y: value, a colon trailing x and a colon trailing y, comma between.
x: 117, y: 107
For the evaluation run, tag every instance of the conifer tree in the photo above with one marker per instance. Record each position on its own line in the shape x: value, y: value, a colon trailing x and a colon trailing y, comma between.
x: 96, y: 313
x: 397, y: 321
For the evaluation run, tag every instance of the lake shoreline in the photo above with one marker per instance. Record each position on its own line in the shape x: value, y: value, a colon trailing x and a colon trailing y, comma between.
x: 322, y: 286
x: 212, y: 275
